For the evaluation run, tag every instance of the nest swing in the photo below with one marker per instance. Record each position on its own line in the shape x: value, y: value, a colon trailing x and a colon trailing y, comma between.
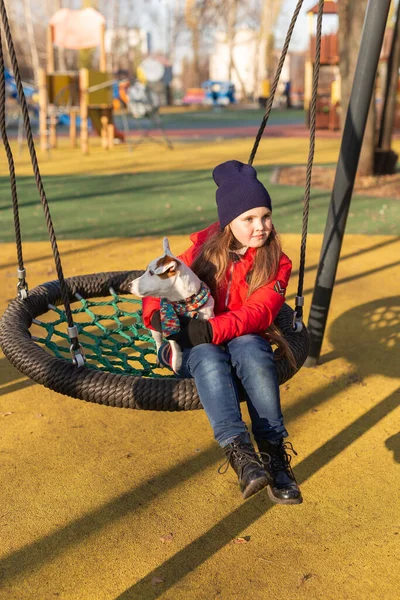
x: 110, y: 379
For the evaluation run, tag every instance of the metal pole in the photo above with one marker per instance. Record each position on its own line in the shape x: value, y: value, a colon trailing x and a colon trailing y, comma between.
x: 356, y: 119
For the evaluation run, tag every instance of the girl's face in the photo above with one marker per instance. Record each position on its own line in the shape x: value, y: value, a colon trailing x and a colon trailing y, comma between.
x: 252, y: 227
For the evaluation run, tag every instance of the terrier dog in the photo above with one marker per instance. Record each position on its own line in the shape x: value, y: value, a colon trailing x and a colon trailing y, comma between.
x: 181, y: 293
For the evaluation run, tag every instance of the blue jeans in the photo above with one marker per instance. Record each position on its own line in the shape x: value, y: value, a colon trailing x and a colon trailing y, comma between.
x: 217, y: 370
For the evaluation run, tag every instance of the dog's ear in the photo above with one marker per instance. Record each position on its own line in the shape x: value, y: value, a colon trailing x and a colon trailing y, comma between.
x: 166, y: 247
x: 166, y: 265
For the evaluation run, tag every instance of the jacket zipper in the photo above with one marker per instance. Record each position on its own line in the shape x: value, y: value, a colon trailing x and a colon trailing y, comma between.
x: 229, y: 284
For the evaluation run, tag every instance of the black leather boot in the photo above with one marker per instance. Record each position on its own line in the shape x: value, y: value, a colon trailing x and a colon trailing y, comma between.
x: 245, y: 462
x: 276, y: 460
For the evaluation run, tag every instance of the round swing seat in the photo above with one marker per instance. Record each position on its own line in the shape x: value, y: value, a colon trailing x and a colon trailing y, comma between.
x: 98, y: 386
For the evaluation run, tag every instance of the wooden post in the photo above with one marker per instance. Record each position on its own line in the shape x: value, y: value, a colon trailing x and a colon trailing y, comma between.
x: 84, y: 108
x: 103, y: 57
x: 42, y: 83
x: 110, y: 130
x: 72, y: 127
x: 308, y: 77
x: 50, y: 49
x: 104, y: 132
x: 53, y: 130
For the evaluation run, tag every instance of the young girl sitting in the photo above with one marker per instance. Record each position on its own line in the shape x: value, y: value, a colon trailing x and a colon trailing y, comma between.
x: 241, y: 260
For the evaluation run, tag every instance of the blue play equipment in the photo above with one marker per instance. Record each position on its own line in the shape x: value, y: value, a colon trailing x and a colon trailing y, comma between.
x: 11, y: 93
x: 219, y: 93
x: 11, y: 87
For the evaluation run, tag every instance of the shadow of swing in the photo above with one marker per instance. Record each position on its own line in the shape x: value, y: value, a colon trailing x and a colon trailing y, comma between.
x: 393, y: 444
x: 354, y: 254
x: 196, y: 553
x: 368, y: 336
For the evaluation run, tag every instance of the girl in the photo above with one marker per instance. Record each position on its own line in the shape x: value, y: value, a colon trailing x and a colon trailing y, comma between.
x: 241, y: 260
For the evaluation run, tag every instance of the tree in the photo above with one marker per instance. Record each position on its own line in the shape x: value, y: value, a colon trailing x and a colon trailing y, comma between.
x: 261, y: 17
x: 351, y: 19
x: 270, y: 13
x: 199, y: 15
x: 386, y: 158
x: 31, y: 38
x: 232, y: 23
x: 86, y: 55
x: 58, y: 5
x: 176, y: 26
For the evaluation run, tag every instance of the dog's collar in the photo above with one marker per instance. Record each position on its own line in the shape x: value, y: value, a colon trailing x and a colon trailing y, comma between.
x: 170, y: 311
x: 196, y: 300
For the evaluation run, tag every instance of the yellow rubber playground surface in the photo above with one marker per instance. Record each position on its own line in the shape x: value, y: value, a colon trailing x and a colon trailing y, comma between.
x: 101, y: 503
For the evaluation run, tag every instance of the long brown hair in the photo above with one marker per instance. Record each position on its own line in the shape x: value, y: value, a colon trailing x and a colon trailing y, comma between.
x: 211, y: 265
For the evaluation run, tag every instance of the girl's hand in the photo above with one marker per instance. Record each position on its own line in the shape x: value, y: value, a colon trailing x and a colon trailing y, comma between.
x: 193, y: 332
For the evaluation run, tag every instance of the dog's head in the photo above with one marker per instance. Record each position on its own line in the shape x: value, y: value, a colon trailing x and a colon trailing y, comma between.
x: 160, y: 276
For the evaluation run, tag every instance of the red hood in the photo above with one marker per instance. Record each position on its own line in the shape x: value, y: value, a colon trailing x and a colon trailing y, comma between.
x: 199, y: 237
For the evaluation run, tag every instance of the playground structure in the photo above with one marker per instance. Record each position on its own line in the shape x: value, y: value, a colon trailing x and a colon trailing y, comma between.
x: 219, y: 93
x: 211, y: 93
x: 13, y: 112
x: 84, y: 94
x: 75, y: 97
x: 329, y: 95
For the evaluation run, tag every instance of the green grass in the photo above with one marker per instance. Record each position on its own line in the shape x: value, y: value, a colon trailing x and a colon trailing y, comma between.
x: 158, y: 203
x: 232, y: 117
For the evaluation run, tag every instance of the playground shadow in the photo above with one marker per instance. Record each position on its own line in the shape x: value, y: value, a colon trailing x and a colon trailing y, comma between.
x: 393, y: 444
x: 12, y: 380
x: 126, y: 183
x: 106, y: 185
x: 42, y: 257
x: 360, y: 252
x: 192, y: 556
x: 344, y: 280
x: 358, y: 325
x: 368, y: 336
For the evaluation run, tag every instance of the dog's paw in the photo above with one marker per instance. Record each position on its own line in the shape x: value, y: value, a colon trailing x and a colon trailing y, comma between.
x: 176, y: 357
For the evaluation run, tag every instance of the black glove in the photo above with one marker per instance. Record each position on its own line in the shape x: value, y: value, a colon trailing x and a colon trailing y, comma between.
x: 195, y: 332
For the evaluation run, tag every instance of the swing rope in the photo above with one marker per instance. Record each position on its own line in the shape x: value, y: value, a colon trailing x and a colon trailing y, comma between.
x: 275, y: 82
x: 22, y: 285
x: 298, y: 314
x: 307, y: 191
x: 76, y: 349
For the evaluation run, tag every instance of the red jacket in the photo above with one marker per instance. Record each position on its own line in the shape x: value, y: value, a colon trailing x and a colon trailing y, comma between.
x: 235, y: 314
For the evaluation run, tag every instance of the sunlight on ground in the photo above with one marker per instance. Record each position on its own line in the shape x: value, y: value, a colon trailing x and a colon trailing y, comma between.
x: 184, y: 156
x: 87, y: 484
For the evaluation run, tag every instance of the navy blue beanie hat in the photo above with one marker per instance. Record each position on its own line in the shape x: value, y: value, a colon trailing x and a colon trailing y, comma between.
x: 238, y: 191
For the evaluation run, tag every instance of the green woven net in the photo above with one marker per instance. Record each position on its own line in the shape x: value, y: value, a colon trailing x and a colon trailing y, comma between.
x: 110, y: 331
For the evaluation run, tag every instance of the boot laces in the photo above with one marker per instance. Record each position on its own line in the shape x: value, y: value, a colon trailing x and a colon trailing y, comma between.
x: 245, y: 455
x: 281, y: 459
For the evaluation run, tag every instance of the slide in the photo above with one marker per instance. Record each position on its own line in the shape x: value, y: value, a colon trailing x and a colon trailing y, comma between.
x: 95, y: 115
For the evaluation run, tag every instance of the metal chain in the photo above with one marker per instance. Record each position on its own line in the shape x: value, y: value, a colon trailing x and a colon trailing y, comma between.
x: 28, y: 131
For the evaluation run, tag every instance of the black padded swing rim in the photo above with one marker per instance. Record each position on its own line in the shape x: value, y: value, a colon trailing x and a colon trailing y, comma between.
x: 118, y: 390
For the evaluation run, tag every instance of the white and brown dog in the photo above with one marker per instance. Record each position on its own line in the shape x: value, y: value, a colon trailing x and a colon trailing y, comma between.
x: 181, y: 293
